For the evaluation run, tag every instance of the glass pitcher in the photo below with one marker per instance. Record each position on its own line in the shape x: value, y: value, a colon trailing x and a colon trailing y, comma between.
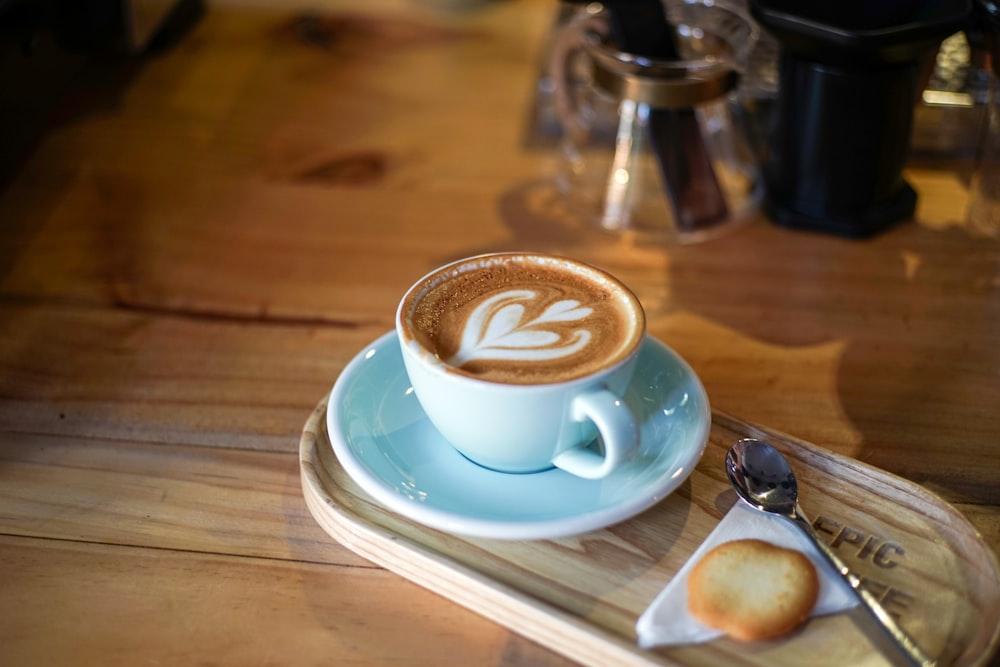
x: 657, y: 148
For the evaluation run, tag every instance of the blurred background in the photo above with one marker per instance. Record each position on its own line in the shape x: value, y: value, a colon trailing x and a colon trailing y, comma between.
x: 52, y: 50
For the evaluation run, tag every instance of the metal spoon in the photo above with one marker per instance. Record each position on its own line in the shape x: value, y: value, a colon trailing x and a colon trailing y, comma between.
x: 764, y: 479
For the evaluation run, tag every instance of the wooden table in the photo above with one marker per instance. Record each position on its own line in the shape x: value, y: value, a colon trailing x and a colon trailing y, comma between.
x: 191, y: 256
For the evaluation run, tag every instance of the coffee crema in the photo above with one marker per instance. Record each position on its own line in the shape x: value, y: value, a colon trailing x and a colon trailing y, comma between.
x: 524, y: 319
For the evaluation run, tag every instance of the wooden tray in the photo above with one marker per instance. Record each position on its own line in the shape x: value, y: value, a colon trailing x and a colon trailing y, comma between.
x: 581, y: 596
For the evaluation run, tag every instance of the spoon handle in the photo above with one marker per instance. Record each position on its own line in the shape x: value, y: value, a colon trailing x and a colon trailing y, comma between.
x: 890, y: 636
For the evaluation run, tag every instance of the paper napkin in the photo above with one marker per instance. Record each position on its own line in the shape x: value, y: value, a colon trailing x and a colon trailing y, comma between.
x: 667, y: 620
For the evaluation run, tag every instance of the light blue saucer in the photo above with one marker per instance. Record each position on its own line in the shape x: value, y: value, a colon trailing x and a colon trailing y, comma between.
x: 386, y: 444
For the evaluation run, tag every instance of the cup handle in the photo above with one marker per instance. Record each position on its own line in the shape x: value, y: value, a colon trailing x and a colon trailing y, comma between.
x: 619, y: 434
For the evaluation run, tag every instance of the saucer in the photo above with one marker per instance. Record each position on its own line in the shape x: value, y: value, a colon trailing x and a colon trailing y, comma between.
x: 386, y: 444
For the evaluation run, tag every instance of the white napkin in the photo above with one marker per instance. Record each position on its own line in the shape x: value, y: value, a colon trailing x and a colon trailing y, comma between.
x: 667, y: 620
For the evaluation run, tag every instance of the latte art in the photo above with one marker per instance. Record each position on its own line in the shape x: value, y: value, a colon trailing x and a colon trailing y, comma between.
x: 497, y: 330
x: 524, y: 319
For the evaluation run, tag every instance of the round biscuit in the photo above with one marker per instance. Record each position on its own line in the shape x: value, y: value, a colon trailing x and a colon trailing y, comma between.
x: 751, y: 589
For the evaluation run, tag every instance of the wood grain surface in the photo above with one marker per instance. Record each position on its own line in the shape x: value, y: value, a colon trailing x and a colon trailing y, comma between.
x: 207, y: 234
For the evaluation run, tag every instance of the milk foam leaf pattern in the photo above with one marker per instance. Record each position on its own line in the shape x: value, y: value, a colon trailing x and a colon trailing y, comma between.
x: 495, y: 330
x: 527, y: 339
x: 502, y: 323
x: 564, y: 311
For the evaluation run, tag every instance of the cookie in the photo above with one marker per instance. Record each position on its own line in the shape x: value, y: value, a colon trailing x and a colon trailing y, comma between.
x: 751, y: 589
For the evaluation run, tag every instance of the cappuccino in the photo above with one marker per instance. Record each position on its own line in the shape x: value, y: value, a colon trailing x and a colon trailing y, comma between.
x: 523, y: 319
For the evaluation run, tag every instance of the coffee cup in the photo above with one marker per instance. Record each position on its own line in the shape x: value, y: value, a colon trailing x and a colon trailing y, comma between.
x: 521, y: 361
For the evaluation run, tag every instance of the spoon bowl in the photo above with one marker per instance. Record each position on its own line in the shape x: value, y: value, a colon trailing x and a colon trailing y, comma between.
x: 764, y: 479
x: 762, y: 476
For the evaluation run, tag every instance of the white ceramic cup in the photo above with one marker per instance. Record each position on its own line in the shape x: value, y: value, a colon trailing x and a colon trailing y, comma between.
x: 570, y: 411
